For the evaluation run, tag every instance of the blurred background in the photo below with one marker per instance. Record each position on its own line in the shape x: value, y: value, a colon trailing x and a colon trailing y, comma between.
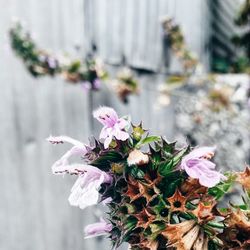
x: 34, y: 211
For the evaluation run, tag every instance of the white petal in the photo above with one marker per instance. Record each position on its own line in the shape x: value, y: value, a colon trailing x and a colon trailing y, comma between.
x: 107, y: 142
x: 85, y: 193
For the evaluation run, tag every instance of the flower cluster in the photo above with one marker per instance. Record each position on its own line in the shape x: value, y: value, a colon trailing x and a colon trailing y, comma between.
x: 42, y: 63
x: 178, y: 45
x: 159, y: 196
x: 88, y: 73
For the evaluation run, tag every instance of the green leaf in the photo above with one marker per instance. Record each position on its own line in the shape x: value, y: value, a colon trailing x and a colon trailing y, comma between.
x: 147, y: 140
x: 170, y: 182
x: 129, y: 226
x: 223, y: 187
x: 136, y: 172
x: 130, y: 223
x: 168, y: 166
x: 177, y: 158
x: 105, y: 158
x: 164, y: 168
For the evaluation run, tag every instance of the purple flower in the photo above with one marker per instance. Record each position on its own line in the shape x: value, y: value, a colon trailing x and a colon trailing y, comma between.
x: 62, y: 165
x: 52, y: 62
x: 113, y: 125
x: 96, y: 84
x: 197, y: 165
x: 85, y: 191
x: 97, y: 229
x: 86, y: 85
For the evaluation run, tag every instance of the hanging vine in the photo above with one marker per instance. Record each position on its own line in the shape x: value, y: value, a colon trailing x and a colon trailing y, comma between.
x: 89, y: 72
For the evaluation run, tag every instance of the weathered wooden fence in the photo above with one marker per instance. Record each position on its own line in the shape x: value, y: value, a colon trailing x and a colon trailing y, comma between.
x: 34, y: 212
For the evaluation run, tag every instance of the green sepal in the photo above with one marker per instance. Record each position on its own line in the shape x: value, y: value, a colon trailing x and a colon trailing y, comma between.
x: 168, y: 147
x: 138, y: 132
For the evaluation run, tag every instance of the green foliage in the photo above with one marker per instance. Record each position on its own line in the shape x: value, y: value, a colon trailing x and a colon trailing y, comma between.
x: 172, y: 159
x: 147, y: 140
x: 171, y: 182
x: 223, y: 187
x: 136, y: 172
x: 41, y: 63
x: 104, y: 160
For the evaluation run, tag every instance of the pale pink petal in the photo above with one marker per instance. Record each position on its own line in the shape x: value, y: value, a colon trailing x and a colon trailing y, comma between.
x: 83, y: 198
x: 107, y: 141
x: 197, y: 165
x: 201, y: 152
x: 85, y: 191
x: 61, y: 166
x: 105, y: 115
x: 210, y: 178
x: 192, y: 172
x: 104, y: 133
x: 121, y: 135
x: 113, y: 126
x: 122, y: 123
x: 97, y: 229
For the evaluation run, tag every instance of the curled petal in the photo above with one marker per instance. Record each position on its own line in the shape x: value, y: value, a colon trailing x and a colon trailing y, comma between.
x: 205, y: 152
x: 62, y: 165
x: 97, y: 229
